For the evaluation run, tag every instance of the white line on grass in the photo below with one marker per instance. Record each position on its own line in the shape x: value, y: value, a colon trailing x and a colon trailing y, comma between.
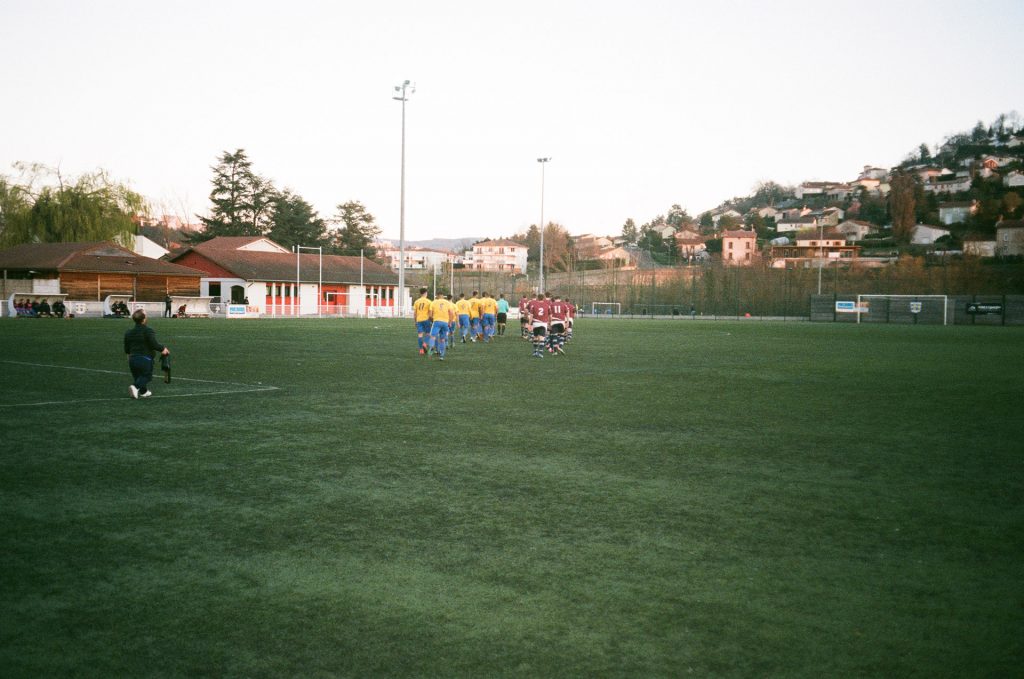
x: 252, y: 388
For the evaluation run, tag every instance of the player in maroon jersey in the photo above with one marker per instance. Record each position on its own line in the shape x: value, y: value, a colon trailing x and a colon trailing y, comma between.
x: 570, y: 319
x: 556, y: 328
x: 539, y: 310
x: 524, y: 317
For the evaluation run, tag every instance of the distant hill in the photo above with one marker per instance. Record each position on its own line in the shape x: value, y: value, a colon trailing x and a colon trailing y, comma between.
x: 454, y: 244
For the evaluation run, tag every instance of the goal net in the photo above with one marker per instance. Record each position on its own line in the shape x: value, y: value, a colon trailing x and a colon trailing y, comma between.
x: 931, y: 309
x: 606, y: 308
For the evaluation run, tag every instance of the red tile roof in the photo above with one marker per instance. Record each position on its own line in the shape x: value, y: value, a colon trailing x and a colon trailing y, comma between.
x: 253, y: 265
x: 502, y: 243
x: 92, y: 257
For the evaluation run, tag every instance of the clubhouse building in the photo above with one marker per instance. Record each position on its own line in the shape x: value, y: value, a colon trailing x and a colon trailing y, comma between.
x: 267, y: 279
x: 90, y: 277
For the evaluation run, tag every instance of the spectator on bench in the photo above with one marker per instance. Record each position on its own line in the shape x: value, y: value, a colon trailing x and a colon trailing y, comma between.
x: 44, y: 309
x: 59, y: 310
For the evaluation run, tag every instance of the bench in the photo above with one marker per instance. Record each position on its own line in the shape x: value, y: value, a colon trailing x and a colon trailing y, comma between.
x: 21, y: 297
x: 190, y: 307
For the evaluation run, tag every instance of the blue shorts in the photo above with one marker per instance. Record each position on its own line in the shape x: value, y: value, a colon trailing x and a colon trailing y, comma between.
x: 463, y: 320
x: 423, y: 326
x: 439, y: 329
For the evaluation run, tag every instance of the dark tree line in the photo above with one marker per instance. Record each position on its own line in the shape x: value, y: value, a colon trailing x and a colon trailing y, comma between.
x: 247, y: 204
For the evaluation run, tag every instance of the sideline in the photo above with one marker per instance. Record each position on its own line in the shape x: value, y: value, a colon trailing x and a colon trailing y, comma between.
x: 249, y: 388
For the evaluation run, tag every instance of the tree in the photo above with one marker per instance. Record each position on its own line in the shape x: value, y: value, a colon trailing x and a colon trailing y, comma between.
x: 295, y: 222
x: 629, y: 232
x: 242, y: 200
x: 92, y: 207
x: 924, y: 155
x: 677, y: 216
x: 902, y: 203
x: 728, y: 222
x: 557, y: 248
x: 1012, y: 202
x: 358, y: 231
x: 770, y: 193
x: 979, y: 134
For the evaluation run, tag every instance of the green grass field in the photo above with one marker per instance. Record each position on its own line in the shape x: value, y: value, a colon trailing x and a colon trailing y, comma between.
x: 673, y: 498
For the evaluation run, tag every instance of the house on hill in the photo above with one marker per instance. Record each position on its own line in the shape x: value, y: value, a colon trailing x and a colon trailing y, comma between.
x: 739, y: 247
x: 88, y: 276
x: 979, y: 245
x: 813, y: 248
x: 925, y: 234
x: 277, y: 282
x: 417, y: 258
x: 1010, y: 237
x: 957, y: 212
x: 497, y: 255
x: 794, y: 224
x: 855, y: 229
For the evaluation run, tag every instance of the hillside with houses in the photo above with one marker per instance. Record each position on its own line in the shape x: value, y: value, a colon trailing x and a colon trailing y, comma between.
x: 963, y: 198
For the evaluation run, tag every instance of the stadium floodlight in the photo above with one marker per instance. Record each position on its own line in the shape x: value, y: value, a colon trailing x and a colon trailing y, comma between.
x: 543, y: 162
x: 402, y: 93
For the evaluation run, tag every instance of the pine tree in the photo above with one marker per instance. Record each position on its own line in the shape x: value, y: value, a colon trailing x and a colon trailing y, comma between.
x: 295, y: 222
x: 358, y: 230
x: 242, y: 200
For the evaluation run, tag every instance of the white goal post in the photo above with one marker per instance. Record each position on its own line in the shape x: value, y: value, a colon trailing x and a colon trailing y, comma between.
x: 606, y: 308
x: 912, y: 304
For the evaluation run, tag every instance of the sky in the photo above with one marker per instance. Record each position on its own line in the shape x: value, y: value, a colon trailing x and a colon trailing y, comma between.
x: 640, y: 104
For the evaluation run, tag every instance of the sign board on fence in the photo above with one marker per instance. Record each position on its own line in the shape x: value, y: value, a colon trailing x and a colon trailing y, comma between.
x: 850, y: 307
x: 243, y: 311
x: 915, y: 307
x: 976, y: 308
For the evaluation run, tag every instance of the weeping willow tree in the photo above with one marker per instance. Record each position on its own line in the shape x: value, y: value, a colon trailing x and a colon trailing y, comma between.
x: 41, y: 206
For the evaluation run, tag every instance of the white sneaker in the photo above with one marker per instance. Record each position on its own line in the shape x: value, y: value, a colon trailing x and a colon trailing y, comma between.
x: 146, y: 395
x: 133, y: 390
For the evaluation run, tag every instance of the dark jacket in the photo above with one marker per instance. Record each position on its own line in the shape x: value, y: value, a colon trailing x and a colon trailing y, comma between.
x: 141, y: 341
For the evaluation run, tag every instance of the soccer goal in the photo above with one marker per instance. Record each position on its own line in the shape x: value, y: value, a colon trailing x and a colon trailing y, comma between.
x: 903, y: 309
x: 606, y: 308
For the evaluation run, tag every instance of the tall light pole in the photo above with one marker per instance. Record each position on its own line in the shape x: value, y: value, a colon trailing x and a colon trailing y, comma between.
x: 543, y: 162
x: 402, y: 93
x: 821, y: 252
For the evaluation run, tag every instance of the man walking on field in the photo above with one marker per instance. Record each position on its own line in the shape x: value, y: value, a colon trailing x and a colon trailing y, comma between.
x: 462, y: 311
x: 559, y: 316
x: 442, y: 312
x: 421, y: 314
x: 502, y: 313
x: 524, y: 317
x: 539, y: 311
x: 474, y: 317
x: 139, y: 344
x: 488, y: 315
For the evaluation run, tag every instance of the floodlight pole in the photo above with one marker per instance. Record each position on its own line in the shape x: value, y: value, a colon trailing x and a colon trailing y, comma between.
x: 403, y: 90
x: 543, y: 162
x: 821, y: 252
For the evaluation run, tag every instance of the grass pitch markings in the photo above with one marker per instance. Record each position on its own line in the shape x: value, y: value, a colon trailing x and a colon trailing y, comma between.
x: 248, y: 388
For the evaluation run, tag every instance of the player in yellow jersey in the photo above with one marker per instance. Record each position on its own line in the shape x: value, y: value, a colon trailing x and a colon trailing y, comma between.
x: 462, y: 311
x: 488, y: 314
x: 474, y: 316
x: 442, y: 311
x: 421, y: 314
